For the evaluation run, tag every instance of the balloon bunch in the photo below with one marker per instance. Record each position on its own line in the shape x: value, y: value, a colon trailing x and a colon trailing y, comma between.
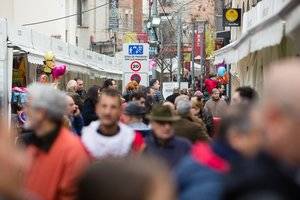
x: 223, y: 76
x: 50, y: 68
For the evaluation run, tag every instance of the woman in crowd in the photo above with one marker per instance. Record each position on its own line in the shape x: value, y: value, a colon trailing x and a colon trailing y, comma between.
x: 89, y: 106
x: 199, y: 111
x: 131, y: 87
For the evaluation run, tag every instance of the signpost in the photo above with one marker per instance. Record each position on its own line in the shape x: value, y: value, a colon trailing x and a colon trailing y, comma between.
x: 136, y: 63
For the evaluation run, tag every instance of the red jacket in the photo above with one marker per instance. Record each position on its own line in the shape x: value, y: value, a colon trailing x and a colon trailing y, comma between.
x: 53, y: 174
x: 210, y: 85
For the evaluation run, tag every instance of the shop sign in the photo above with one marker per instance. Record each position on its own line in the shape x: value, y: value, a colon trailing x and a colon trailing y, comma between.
x: 232, y: 17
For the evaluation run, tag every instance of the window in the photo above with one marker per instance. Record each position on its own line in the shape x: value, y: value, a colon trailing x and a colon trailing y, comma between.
x: 82, y: 18
x: 126, y: 20
x: 79, y: 11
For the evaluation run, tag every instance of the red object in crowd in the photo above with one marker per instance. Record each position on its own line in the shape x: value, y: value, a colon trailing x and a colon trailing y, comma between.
x: 53, y: 175
x: 217, y: 123
x: 210, y: 84
x: 203, y: 154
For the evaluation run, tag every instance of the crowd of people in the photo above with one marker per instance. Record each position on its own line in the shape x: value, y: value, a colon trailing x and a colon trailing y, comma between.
x: 101, y: 144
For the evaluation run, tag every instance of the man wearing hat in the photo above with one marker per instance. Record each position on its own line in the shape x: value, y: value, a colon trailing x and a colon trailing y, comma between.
x: 133, y: 116
x: 162, y: 142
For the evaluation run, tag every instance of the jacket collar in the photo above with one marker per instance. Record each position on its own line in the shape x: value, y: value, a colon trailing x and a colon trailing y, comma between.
x: 170, y: 143
x: 45, y: 142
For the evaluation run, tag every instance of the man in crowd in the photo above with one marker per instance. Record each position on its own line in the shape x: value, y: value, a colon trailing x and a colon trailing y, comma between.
x: 74, y: 115
x: 244, y: 95
x: 271, y: 174
x: 140, y: 98
x: 200, y: 175
x: 189, y: 126
x: 109, y: 137
x: 216, y: 105
x: 80, y: 89
x: 58, y: 157
x: 158, y: 97
x: 173, y: 96
x: 109, y: 84
x: 132, y: 178
x: 162, y: 142
x: 133, y: 117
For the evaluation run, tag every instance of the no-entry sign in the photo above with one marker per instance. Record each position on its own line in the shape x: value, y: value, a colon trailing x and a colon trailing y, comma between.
x: 136, y: 66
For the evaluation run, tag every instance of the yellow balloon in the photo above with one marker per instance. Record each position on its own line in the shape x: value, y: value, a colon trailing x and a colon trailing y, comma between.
x: 49, y: 56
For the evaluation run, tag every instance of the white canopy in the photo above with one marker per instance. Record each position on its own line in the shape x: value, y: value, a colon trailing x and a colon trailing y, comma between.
x: 263, y: 26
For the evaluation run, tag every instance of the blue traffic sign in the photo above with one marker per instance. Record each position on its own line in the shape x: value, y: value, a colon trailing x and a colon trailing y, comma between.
x: 135, y: 50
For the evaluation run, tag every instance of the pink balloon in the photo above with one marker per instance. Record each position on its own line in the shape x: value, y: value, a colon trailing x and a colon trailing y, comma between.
x: 59, y: 70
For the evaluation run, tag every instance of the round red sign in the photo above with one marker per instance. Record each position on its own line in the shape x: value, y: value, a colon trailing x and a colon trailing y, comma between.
x: 135, y: 66
x: 136, y: 77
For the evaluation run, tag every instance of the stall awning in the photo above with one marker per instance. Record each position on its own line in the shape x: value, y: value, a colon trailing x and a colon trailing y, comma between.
x: 268, y: 32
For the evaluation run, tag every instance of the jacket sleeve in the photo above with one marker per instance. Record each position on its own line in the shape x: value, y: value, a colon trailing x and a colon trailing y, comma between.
x: 208, y: 120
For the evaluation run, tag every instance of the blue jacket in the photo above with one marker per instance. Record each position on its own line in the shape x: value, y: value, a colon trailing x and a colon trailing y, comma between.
x: 172, y: 151
x: 77, y: 124
x: 201, y: 174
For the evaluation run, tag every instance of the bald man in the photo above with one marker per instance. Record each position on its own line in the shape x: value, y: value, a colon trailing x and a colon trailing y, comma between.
x: 271, y: 174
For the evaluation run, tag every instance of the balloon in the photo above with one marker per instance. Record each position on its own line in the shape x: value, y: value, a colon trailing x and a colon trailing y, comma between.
x: 49, y: 56
x: 221, y: 71
x: 59, y: 70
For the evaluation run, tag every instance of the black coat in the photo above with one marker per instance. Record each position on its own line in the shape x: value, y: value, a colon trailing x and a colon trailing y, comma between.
x: 89, y: 112
x: 260, y: 179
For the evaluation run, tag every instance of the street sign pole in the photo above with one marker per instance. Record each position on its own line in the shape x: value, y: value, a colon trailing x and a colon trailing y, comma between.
x: 178, y: 47
x: 193, y: 55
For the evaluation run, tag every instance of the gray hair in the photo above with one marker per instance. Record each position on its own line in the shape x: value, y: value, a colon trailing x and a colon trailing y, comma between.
x: 184, y: 107
x: 47, y: 97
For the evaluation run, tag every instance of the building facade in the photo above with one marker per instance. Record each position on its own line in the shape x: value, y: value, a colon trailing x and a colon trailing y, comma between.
x: 84, y: 23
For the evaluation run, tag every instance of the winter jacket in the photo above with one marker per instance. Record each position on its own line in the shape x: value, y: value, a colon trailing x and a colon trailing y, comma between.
x: 191, y: 130
x: 262, y: 178
x: 217, y: 108
x: 158, y: 97
x: 53, y: 173
x: 201, y: 174
x: 121, y: 144
x: 207, y: 118
x: 77, y: 124
x: 89, y: 112
x: 210, y: 85
x: 172, y: 151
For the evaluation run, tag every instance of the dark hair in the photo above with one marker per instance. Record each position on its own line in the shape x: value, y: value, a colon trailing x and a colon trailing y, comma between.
x: 107, y: 83
x: 77, y: 79
x: 93, y: 93
x: 120, y: 178
x: 237, y: 117
x: 248, y: 93
x: 111, y: 93
x: 137, y: 95
x: 152, y: 82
